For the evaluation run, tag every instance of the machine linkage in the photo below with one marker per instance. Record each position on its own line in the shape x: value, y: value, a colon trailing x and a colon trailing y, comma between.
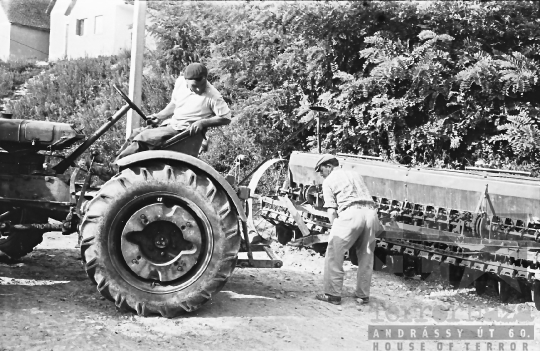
x: 465, y: 223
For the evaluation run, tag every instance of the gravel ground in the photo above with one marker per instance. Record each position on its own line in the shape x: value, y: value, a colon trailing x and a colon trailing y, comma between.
x: 48, y: 303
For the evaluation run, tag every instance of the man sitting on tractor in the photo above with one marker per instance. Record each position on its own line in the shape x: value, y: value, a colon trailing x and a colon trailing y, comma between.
x: 195, y: 105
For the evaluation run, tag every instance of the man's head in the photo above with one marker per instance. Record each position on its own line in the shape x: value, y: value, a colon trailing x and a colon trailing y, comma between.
x: 326, y: 165
x: 195, y: 76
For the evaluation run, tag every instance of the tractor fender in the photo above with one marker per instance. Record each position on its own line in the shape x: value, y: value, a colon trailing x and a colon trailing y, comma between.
x: 153, y: 155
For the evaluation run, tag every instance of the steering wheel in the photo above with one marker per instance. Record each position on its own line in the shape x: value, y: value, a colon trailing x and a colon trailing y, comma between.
x: 130, y: 103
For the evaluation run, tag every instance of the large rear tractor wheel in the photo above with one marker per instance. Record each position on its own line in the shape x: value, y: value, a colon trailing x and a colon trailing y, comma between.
x: 20, y: 244
x: 160, y: 239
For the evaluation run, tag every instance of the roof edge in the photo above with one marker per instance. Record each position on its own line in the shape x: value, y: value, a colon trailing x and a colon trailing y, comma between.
x: 50, y: 7
x: 48, y: 30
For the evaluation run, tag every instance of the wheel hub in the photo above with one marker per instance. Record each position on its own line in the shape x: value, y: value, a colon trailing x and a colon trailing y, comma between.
x: 161, y: 242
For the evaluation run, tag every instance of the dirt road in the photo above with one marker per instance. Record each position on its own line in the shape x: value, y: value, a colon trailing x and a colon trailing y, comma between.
x: 47, y: 303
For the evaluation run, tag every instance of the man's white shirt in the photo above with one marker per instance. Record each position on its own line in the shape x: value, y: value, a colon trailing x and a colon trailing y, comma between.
x: 191, y: 107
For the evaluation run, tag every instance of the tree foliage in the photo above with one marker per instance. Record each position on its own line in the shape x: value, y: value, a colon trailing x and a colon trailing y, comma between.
x: 447, y: 84
x: 442, y: 85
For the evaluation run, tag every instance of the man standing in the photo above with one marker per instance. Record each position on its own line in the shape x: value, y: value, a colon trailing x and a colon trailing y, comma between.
x: 195, y: 105
x: 354, y: 221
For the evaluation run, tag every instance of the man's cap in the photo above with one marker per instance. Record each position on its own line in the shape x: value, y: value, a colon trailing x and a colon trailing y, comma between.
x: 324, y: 159
x: 195, y: 70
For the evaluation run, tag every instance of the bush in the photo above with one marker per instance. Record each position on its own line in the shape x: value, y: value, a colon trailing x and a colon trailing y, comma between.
x: 427, y: 85
x: 15, y: 73
x: 445, y: 85
x: 80, y: 92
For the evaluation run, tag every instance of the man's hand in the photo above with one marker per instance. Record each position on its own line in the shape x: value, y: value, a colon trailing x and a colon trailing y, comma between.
x: 152, y: 121
x: 196, y: 127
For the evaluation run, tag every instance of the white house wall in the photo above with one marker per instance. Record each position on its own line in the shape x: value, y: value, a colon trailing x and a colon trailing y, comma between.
x: 124, y: 27
x: 58, y: 30
x: 5, y: 32
x: 117, y: 16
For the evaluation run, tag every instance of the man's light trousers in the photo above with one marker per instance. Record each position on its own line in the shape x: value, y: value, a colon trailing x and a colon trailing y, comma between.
x: 356, y: 226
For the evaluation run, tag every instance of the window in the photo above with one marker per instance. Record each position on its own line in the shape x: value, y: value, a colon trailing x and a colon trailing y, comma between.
x: 98, y: 25
x: 80, y: 27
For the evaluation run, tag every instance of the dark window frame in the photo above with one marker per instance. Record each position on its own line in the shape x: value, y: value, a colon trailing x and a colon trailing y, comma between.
x: 79, y: 27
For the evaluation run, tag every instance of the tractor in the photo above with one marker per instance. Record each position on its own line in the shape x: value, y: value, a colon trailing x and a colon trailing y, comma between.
x: 161, y: 236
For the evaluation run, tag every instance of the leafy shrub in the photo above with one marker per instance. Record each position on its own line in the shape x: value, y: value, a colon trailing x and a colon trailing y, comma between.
x: 14, y: 74
x: 417, y: 85
x: 450, y: 84
x: 80, y: 92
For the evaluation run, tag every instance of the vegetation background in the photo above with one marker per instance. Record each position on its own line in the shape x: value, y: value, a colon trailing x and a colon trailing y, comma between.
x: 442, y: 84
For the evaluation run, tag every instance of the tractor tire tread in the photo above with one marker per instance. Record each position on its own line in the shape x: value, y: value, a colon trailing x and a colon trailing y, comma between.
x: 159, y: 172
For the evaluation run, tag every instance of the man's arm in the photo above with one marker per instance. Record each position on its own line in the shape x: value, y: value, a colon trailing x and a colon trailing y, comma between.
x: 329, y: 201
x: 222, y: 116
x: 166, y: 112
x: 332, y: 215
x: 201, y: 124
x: 215, y: 121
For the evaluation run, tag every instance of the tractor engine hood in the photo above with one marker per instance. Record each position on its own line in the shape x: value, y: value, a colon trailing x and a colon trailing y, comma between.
x: 17, y: 134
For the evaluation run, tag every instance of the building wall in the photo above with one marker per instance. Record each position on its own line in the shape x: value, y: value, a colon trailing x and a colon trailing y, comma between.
x: 58, y: 30
x: 27, y: 42
x: 124, y: 27
x: 5, y: 32
x: 114, y: 37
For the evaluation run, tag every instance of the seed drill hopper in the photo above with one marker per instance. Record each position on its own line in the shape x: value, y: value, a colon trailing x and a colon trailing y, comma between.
x: 475, y: 225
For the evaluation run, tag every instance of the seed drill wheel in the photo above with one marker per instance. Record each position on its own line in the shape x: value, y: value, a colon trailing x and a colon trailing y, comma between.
x: 270, y: 180
x: 160, y: 238
x: 21, y: 244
